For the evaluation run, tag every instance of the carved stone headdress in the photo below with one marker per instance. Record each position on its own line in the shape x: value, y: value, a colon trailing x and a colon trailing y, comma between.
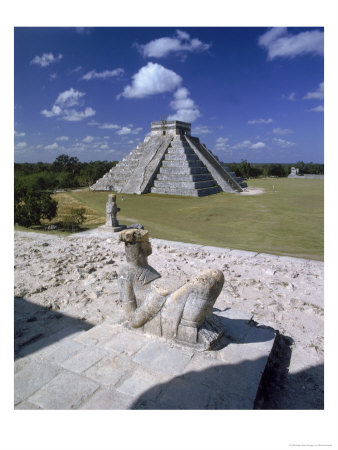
x: 134, y: 236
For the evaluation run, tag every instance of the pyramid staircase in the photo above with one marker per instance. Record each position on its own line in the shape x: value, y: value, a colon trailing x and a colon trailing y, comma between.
x: 183, y: 173
x: 170, y: 161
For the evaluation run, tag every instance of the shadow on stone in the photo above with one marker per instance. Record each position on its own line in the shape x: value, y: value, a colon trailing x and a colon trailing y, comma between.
x: 36, y: 327
x: 234, y: 386
x: 278, y: 386
x: 222, y: 386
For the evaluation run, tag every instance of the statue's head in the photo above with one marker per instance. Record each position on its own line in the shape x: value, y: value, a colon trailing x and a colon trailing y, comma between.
x: 137, y: 245
x: 111, y: 198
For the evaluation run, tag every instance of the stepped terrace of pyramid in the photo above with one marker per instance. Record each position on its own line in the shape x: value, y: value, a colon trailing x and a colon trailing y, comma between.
x: 170, y: 161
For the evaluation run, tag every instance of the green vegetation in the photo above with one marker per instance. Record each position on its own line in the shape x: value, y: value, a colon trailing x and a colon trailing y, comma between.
x: 75, y: 219
x: 32, y: 205
x: 250, y: 170
x: 65, y: 172
x: 287, y: 219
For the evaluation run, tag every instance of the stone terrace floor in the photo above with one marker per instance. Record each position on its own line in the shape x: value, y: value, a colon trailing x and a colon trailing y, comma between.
x: 111, y: 367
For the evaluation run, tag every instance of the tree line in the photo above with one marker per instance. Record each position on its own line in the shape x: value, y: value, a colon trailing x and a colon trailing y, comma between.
x: 34, y: 183
x: 65, y: 172
x: 246, y: 169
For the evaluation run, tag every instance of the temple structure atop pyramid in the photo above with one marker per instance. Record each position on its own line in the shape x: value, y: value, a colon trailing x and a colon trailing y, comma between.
x: 170, y: 161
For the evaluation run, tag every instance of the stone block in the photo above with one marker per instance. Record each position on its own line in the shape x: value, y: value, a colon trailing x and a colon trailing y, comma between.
x: 65, y: 391
x: 110, y: 370
x: 138, y: 382
x: 31, y: 378
x: 108, y: 399
x: 62, y: 351
x: 97, y: 335
x: 84, y: 359
x: 47, y: 344
x: 181, y: 394
x: 126, y: 342
x: 161, y: 358
x: 261, y: 338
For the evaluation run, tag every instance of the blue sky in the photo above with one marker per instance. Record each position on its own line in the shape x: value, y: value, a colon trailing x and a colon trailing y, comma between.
x: 249, y: 93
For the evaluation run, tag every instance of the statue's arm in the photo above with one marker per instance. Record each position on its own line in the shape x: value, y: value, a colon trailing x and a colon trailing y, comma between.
x: 148, y: 310
x: 127, y: 295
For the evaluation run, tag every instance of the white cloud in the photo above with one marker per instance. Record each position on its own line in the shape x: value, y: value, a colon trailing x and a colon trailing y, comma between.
x: 221, y: 143
x: 180, y: 42
x: 257, y: 121
x: 201, y: 129
x: 319, y: 108
x: 53, y: 146
x: 102, y: 75
x: 88, y: 139
x: 75, y: 116
x: 283, y: 143
x: 318, y: 94
x: 16, y: 134
x: 292, y: 97
x: 248, y: 144
x: 282, y: 131
x: 21, y: 145
x: 278, y: 42
x: 258, y: 145
x: 108, y: 126
x: 128, y: 130
x: 63, y: 107
x: 46, y: 59
x: 62, y: 138
x: 187, y: 110
x: 76, y: 70
x: 104, y: 146
x: 69, y: 98
x: 151, y: 79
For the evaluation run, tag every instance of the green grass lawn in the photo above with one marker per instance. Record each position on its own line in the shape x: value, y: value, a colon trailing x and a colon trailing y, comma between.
x: 287, y: 219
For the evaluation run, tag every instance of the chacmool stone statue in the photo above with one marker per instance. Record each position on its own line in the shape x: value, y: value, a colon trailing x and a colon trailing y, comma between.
x: 184, y: 315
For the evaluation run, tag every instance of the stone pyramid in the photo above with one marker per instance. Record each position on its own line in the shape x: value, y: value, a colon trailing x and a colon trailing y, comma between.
x: 170, y: 161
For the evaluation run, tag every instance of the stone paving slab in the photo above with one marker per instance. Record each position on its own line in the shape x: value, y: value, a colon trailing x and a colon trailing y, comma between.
x: 108, y: 399
x: 65, y: 391
x: 38, y: 375
x: 111, y: 367
x: 161, y: 357
x: 84, y: 359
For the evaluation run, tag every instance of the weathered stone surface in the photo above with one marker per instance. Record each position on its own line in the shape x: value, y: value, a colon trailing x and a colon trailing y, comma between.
x: 126, y: 343
x: 108, y: 399
x: 138, y: 382
x: 161, y: 358
x: 65, y: 391
x: 31, y: 378
x: 59, y: 353
x: 110, y: 370
x: 84, y: 359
